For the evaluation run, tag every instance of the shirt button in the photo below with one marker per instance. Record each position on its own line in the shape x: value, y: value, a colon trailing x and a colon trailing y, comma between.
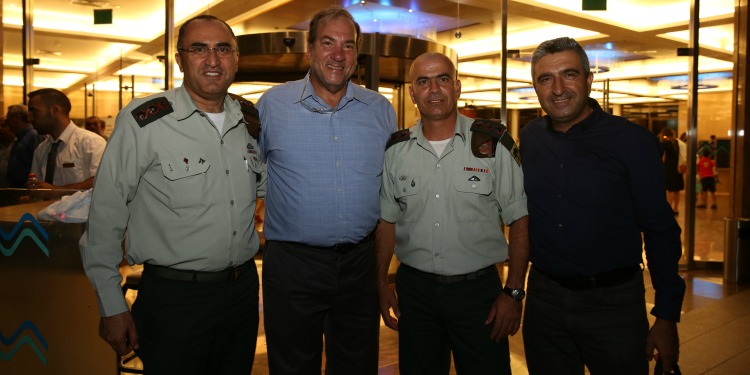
x: 231, y: 202
x: 437, y: 225
x: 473, y: 186
x: 438, y: 166
x: 437, y: 196
x: 559, y: 226
x: 231, y: 263
x: 227, y: 172
x: 338, y: 164
x: 335, y: 138
x: 222, y: 141
x: 437, y: 255
x: 562, y: 165
x: 234, y: 233
x: 559, y: 195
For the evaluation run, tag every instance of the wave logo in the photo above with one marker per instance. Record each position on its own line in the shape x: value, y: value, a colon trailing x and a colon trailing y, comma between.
x: 25, y: 339
x: 19, y: 236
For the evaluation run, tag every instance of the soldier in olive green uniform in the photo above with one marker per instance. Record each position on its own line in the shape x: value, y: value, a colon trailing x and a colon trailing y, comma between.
x: 448, y: 184
x: 178, y: 183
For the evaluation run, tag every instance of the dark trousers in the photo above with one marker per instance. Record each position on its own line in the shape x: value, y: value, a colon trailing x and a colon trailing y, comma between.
x: 438, y: 319
x: 197, y: 327
x: 310, y: 293
x: 604, y: 329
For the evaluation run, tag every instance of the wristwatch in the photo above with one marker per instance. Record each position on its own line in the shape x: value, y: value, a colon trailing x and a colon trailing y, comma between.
x: 517, y: 294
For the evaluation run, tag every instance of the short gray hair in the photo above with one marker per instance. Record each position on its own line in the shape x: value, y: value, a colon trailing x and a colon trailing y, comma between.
x: 556, y: 45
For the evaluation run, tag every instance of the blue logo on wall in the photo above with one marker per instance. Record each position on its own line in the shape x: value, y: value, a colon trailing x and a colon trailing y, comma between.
x: 17, y: 235
x: 20, y: 339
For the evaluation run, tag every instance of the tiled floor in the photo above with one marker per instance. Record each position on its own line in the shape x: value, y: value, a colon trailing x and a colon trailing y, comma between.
x: 714, y: 331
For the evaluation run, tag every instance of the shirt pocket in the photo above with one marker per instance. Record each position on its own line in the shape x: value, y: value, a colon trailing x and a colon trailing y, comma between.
x: 186, y: 178
x: 474, y: 198
x: 407, y: 186
x: 407, y: 195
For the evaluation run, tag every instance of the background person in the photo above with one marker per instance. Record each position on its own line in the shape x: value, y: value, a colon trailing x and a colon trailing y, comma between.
x: 186, y: 199
x: 446, y: 226
x: 27, y: 139
x: 675, y: 181
x: 96, y: 125
x: 593, y: 203
x: 707, y: 173
x: 6, y: 141
x: 323, y: 138
x: 75, y: 152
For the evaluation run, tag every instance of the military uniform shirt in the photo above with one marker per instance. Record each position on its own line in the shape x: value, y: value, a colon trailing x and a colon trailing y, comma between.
x: 448, y: 210
x: 78, y: 156
x: 185, y: 193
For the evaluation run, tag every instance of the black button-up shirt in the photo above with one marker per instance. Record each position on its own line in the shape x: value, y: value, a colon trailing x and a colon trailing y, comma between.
x: 596, y: 194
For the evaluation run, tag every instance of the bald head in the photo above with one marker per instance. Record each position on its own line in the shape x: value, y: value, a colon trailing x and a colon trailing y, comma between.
x: 426, y: 58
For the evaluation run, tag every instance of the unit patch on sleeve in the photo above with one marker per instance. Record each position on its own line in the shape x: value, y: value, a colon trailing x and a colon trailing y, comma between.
x: 485, y: 136
x: 152, y: 110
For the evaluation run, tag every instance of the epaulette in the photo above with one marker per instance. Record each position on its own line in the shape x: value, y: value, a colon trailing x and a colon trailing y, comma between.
x: 487, y: 134
x: 152, y: 110
x: 397, y: 137
x: 251, y: 115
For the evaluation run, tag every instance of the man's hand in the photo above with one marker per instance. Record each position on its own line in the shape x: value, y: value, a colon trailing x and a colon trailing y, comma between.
x: 119, y: 332
x: 664, y: 339
x: 388, y: 302
x: 40, y: 185
x: 505, y: 317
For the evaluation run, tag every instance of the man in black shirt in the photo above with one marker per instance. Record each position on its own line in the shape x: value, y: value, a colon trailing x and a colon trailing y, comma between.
x: 595, y: 187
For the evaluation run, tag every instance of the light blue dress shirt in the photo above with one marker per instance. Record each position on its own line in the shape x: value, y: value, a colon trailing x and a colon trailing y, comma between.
x: 324, y: 164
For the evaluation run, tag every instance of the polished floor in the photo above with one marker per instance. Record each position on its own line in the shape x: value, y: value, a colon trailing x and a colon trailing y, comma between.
x: 715, y: 326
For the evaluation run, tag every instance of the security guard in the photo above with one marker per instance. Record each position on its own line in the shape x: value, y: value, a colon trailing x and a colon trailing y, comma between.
x: 447, y: 183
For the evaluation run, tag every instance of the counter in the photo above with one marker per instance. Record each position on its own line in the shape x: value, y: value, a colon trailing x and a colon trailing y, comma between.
x: 49, y: 317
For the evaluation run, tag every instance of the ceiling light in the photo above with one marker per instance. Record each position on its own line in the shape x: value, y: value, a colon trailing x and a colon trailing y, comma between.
x: 701, y: 86
x: 91, y: 3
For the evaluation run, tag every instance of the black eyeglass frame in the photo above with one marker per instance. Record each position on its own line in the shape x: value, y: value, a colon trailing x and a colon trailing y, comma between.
x: 221, y: 51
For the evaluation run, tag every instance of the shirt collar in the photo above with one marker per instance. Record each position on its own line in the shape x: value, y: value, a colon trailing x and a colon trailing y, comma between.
x: 66, y: 134
x: 353, y: 92
x: 184, y: 106
x: 416, y: 131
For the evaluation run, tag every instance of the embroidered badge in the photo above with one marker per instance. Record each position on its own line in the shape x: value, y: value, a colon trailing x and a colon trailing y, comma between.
x: 474, y: 178
x: 152, y: 110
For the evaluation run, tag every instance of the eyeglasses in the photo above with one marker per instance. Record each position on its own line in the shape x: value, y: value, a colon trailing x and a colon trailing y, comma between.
x: 221, y: 51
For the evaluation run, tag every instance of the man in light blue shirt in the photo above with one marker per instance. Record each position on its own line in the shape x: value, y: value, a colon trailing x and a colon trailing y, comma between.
x: 323, y: 138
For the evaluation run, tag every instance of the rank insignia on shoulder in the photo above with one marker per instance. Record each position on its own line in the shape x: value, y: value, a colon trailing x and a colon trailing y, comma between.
x: 397, y: 137
x: 486, y: 134
x: 152, y: 110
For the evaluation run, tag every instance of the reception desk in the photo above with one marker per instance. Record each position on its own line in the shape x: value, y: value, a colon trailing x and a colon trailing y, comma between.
x: 49, y: 317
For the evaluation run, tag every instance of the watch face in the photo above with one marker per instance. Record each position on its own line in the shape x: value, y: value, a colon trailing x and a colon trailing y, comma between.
x: 516, y: 294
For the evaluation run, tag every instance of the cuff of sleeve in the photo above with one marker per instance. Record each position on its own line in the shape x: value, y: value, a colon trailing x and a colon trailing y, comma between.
x: 514, y: 211
x: 390, y: 213
x: 111, y: 302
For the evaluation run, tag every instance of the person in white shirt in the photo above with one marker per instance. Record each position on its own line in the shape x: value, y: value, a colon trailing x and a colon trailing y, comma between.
x: 78, y: 151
